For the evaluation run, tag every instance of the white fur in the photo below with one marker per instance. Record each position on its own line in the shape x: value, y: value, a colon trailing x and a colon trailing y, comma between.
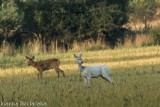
x: 93, y: 71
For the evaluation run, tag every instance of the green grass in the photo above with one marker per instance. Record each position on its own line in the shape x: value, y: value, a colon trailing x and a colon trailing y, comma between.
x: 135, y: 72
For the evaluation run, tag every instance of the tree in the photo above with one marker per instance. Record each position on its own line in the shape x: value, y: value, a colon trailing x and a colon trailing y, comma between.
x: 144, y: 11
x: 64, y: 21
x: 9, y: 17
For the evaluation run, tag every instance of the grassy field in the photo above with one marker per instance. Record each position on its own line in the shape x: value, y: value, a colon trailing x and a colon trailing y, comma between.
x: 135, y: 72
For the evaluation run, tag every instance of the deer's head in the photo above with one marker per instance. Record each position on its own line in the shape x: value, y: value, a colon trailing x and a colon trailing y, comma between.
x: 30, y: 60
x: 78, y: 58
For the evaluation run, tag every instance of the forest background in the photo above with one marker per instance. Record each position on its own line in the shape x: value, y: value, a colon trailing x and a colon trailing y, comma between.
x: 52, y: 26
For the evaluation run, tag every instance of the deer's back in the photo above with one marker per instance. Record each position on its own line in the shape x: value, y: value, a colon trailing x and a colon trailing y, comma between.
x: 47, y: 64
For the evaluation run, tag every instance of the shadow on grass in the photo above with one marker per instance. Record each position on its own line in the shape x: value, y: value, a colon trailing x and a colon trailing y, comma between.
x: 21, y: 62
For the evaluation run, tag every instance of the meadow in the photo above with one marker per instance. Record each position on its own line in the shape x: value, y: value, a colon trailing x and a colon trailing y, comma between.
x: 134, y: 71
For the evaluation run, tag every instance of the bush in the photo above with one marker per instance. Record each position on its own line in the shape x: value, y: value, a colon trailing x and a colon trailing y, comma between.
x: 156, y: 35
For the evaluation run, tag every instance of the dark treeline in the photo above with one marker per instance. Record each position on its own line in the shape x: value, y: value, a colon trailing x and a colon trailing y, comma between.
x: 63, y: 21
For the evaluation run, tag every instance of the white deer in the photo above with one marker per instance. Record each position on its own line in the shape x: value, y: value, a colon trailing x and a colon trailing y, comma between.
x: 92, y: 71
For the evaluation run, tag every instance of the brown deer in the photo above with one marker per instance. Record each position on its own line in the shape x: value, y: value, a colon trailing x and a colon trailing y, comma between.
x: 45, y: 65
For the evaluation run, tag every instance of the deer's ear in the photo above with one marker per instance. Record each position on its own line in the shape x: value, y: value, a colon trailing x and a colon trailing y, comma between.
x: 33, y: 57
x: 80, y: 55
x: 27, y: 57
x: 75, y: 55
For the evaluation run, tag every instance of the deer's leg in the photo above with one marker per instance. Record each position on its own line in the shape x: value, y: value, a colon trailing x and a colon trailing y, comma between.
x: 107, y: 78
x: 40, y: 74
x: 88, y: 80
x: 85, y: 80
x: 105, y: 75
x: 61, y: 72
x: 40, y: 71
x: 57, y: 71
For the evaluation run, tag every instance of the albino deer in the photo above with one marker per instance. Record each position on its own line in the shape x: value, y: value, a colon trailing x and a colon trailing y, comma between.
x: 92, y: 71
x: 45, y: 65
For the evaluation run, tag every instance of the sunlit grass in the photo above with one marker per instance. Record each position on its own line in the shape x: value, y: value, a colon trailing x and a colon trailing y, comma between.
x: 135, y: 72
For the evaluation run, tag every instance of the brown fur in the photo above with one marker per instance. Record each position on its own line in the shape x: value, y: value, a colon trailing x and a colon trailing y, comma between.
x: 45, y: 65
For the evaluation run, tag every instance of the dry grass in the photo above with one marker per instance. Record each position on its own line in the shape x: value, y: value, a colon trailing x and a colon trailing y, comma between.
x: 139, y: 41
x: 135, y: 72
x: 89, y: 45
x: 36, y: 47
x: 142, y: 40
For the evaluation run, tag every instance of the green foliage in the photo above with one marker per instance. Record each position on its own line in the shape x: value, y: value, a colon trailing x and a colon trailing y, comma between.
x: 156, y: 35
x: 27, y: 8
x: 144, y: 11
x: 9, y: 17
x: 66, y: 20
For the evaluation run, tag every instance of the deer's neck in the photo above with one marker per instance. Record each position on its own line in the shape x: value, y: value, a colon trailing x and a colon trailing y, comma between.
x: 34, y: 64
x: 81, y: 68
